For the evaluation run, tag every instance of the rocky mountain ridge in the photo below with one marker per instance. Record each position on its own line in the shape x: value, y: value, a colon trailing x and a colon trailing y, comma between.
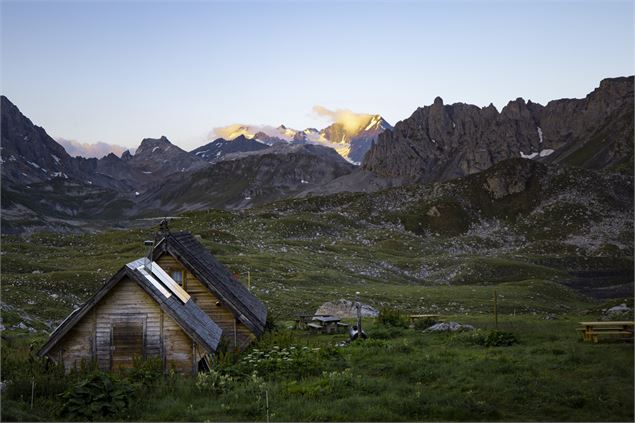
x: 441, y: 142
x: 351, y: 139
x: 43, y: 186
x: 250, y: 178
x: 216, y: 150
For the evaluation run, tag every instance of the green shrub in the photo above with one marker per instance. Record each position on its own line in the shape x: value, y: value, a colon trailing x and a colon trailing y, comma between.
x: 493, y: 338
x: 20, y: 370
x: 214, y: 381
x: 100, y: 395
x: 385, y: 332
x: 291, y: 361
x: 146, y: 371
x: 392, y: 317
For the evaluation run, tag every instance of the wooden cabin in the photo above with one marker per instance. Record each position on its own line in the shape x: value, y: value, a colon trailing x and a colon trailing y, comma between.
x: 179, y: 304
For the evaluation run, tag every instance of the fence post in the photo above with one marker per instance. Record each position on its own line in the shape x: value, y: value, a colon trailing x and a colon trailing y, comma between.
x: 32, y: 391
x: 496, y: 309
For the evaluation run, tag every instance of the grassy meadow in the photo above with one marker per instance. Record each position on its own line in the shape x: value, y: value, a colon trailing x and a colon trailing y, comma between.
x: 397, y: 374
x: 300, y: 255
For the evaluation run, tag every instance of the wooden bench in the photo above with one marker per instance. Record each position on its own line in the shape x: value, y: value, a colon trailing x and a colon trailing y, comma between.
x: 582, y: 333
x: 622, y: 335
x: 616, y: 330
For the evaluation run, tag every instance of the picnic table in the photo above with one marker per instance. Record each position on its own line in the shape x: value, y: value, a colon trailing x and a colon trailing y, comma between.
x: 414, y: 317
x: 301, y: 320
x: 328, y: 324
x: 594, y: 331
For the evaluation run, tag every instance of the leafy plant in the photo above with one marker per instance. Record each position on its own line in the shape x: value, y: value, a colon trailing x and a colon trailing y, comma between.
x: 293, y: 360
x: 214, y: 381
x: 98, y: 396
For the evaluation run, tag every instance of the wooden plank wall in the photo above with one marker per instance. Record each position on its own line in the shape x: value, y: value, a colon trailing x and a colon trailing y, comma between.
x: 207, y: 301
x: 178, y: 347
x: 91, y: 338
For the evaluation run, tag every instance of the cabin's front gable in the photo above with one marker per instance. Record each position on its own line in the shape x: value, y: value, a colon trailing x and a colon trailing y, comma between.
x: 175, y: 306
x: 235, y: 334
x: 126, y: 323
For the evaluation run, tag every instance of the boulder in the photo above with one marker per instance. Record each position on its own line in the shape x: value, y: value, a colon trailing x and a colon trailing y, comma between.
x: 618, y: 309
x: 449, y: 327
x: 346, y: 309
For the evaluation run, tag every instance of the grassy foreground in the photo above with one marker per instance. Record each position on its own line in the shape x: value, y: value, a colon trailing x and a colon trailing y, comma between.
x: 398, y: 374
x: 301, y: 254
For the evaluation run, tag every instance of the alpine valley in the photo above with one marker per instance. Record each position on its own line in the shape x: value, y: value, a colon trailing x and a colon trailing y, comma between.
x: 43, y: 187
x: 456, y: 205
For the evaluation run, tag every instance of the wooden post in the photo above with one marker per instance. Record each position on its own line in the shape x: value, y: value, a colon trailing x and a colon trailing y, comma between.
x: 358, y: 305
x: 32, y: 391
x: 267, y: 403
x: 496, y: 309
x: 249, y: 281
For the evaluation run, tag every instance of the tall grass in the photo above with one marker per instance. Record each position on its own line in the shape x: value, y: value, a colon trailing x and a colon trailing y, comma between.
x: 547, y: 375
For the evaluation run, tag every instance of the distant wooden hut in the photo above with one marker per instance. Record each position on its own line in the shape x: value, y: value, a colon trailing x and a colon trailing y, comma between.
x: 177, y: 305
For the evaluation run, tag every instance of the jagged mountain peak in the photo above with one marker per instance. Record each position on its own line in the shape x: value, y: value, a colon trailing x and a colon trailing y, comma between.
x: 216, y: 150
x: 154, y: 142
x: 350, y: 136
x: 436, y: 144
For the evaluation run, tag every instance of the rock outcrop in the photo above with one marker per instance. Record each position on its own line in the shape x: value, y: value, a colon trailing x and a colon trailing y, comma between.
x: 216, y: 150
x: 442, y: 142
x: 345, y: 309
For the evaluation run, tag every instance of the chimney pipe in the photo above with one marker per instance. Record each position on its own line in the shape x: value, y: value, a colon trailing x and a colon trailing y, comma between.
x: 148, y: 262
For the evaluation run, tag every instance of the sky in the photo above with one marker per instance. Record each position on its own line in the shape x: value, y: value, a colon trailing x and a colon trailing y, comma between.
x: 121, y: 71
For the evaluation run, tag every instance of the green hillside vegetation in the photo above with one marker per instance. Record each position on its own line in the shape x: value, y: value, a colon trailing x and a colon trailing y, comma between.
x: 556, y: 245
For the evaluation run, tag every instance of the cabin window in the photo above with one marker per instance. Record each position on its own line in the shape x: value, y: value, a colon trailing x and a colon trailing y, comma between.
x: 177, y: 275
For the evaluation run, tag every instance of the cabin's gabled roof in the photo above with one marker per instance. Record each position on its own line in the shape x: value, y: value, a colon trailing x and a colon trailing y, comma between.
x: 194, y: 321
x: 248, y: 309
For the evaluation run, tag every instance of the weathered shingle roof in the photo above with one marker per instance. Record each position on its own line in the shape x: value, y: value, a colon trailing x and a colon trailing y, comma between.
x: 194, y: 321
x: 197, y: 259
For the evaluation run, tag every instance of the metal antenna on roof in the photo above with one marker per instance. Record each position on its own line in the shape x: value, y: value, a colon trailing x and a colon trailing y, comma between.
x: 148, y: 258
x: 163, y: 231
x: 163, y: 227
